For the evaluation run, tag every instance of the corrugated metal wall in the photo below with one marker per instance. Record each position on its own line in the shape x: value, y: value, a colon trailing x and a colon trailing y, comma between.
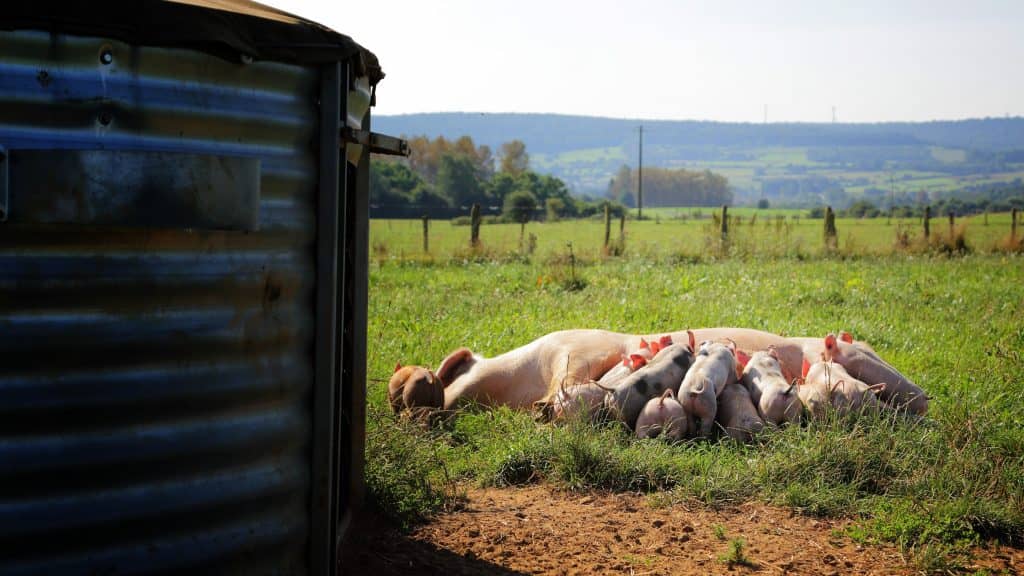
x: 155, y: 384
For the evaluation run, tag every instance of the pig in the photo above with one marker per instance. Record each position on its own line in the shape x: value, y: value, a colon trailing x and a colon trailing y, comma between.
x: 714, y: 368
x: 737, y: 414
x: 664, y: 371
x: 533, y: 373
x: 864, y: 364
x: 776, y: 401
x: 629, y: 364
x: 829, y: 384
x: 861, y: 361
x: 590, y: 396
x: 581, y: 398
x: 414, y: 388
x: 662, y: 415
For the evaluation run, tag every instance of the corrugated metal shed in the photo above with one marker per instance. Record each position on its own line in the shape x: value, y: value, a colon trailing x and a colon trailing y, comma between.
x: 176, y: 315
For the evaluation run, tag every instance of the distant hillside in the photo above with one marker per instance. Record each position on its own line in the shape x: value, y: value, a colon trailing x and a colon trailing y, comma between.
x: 769, y: 159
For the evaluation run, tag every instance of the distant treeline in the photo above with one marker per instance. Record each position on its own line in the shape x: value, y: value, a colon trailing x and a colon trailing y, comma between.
x: 665, y: 187
x: 443, y: 178
x: 972, y: 201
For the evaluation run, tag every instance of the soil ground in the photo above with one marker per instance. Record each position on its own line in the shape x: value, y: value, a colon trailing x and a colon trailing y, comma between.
x: 540, y: 530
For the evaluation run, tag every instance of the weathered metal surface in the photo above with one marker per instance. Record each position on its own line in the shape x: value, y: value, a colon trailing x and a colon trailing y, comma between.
x: 155, y: 384
x: 4, y: 183
x: 132, y: 188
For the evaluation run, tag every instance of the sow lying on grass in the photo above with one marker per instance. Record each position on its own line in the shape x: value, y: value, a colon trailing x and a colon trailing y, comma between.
x: 537, y: 371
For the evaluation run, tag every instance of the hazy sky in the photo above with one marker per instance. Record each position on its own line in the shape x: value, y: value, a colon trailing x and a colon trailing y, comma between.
x: 874, y: 60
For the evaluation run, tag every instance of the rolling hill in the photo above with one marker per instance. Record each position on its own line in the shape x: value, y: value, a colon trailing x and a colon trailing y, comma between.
x: 789, y: 164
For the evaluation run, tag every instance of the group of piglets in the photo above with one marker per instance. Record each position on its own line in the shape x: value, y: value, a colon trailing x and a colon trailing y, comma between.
x: 682, y: 391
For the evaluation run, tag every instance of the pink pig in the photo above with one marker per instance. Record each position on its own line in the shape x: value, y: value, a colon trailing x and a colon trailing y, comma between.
x: 662, y: 415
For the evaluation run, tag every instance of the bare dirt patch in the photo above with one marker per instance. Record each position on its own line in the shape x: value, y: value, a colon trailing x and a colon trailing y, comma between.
x: 540, y: 530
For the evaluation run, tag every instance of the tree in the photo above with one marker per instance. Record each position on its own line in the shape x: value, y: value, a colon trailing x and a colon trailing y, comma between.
x: 500, y: 186
x: 520, y: 206
x: 554, y: 209
x: 457, y: 179
x: 513, y: 156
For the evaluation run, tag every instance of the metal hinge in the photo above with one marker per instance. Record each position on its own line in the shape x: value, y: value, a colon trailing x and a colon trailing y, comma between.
x: 378, y: 143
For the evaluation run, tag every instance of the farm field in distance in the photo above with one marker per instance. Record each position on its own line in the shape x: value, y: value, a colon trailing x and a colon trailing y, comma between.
x: 943, y: 492
x: 676, y: 233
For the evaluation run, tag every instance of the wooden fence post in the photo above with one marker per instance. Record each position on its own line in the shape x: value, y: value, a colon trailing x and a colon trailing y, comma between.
x: 607, y: 225
x: 830, y: 228
x: 474, y: 225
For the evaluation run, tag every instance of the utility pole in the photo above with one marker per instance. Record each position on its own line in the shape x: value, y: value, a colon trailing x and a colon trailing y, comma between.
x: 892, y: 196
x: 640, y: 177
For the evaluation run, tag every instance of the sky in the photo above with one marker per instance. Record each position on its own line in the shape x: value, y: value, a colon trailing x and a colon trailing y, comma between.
x: 721, y: 60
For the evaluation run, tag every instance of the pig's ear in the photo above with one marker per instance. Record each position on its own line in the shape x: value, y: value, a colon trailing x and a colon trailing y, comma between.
x: 836, y: 385
x: 643, y: 344
x: 398, y: 367
x: 877, y: 388
x: 638, y: 361
x: 831, y: 347
x: 655, y: 347
x: 846, y: 337
x: 665, y: 341
x: 692, y: 340
x: 804, y: 369
x: 625, y: 360
x: 456, y: 363
x: 742, y: 358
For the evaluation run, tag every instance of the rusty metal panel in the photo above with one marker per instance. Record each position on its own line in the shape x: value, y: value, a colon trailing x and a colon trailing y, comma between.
x: 156, y: 383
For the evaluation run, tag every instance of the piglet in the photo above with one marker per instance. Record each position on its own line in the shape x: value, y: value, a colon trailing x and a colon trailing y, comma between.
x: 585, y: 399
x: 864, y: 364
x: 665, y: 371
x: 829, y: 385
x: 714, y: 368
x: 776, y: 401
x: 662, y: 415
x: 737, y: 414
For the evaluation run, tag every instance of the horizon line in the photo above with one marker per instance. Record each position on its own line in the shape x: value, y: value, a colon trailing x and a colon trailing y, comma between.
x: 664, y: 120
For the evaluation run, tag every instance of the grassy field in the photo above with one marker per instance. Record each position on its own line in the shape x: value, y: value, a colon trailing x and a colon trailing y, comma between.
x: 675, y: 234
x: 955, y: 325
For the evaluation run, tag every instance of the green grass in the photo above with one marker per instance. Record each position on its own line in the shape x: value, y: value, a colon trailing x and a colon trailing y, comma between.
x: 669, y: 234
x: 953, y: 325
x: 736, y: 555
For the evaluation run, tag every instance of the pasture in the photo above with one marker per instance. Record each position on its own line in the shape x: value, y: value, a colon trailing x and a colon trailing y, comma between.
x: 954, y: 324
x: 676, y: 234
